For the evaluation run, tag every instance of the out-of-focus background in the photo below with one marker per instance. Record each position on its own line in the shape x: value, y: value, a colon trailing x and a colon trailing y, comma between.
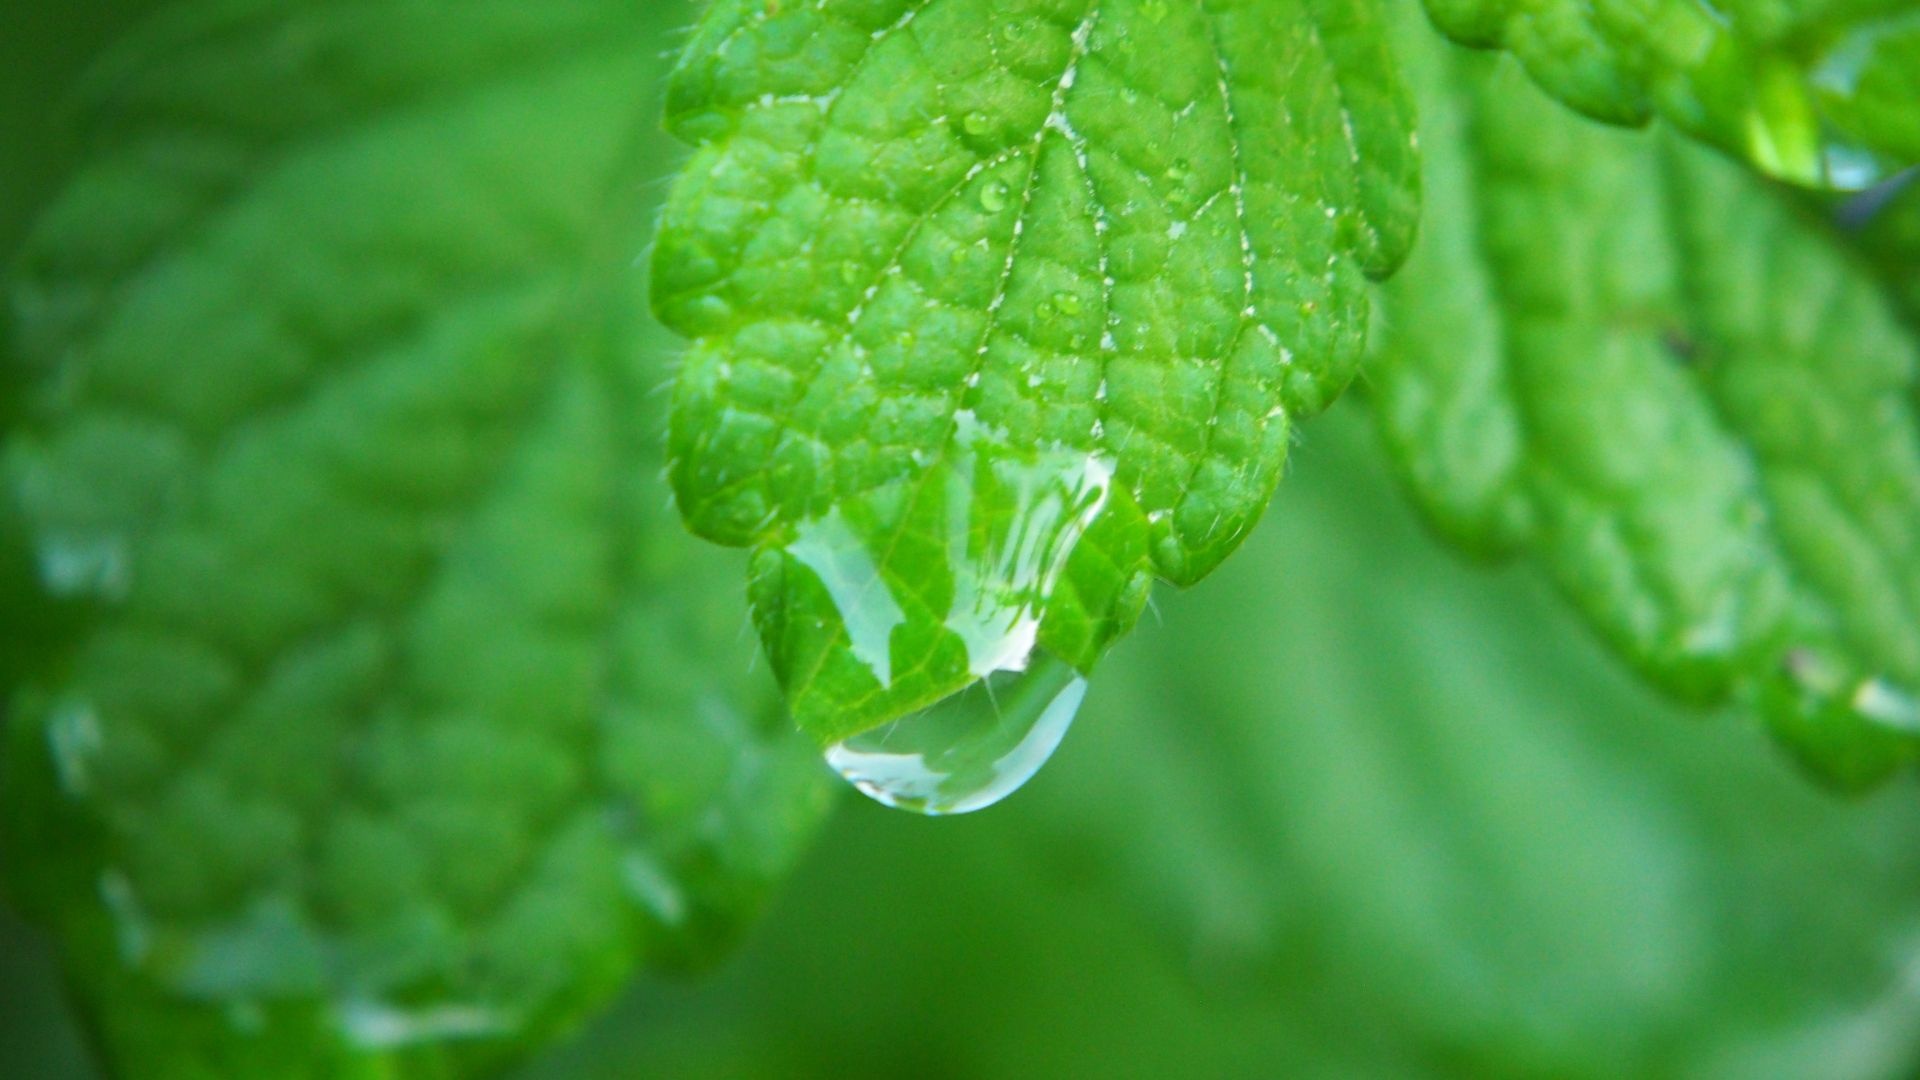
x: 1351, y: 807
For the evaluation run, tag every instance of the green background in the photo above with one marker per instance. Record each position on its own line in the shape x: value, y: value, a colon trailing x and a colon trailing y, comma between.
x: 1347, y: 806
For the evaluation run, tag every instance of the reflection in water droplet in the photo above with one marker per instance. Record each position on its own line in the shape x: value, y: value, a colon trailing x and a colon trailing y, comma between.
x: 832, y: 550
x: 938, y: 590
x: 1001, y: 589
x: 971, y: 750
x: 993, y: 197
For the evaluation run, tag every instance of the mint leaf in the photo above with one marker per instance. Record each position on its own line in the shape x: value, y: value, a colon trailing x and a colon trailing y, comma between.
x: 1631, y: 360
x: 997, y: 312
x: 387, y: 740
x: 1811, y: 91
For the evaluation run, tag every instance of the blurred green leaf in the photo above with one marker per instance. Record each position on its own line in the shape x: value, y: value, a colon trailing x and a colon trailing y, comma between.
x: 1630, y: 359
x: 936, y: 256
x: 399, y: 722
x: 1819, y: 92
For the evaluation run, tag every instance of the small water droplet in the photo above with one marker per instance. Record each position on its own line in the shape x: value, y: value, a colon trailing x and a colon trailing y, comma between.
x: 976, y: 123
x: 971, y: 750
x: 993, y: 197
x: 1067, y: 302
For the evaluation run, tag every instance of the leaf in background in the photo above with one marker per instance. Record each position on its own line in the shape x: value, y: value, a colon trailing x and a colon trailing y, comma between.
x: 998, y: 310
x: 1819, y: 92
x: 390, y: 740
x: 1630, y: 359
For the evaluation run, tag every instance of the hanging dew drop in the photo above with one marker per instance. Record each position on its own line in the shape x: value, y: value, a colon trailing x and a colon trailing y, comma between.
x: 885, y: 604
x: 971, y: 750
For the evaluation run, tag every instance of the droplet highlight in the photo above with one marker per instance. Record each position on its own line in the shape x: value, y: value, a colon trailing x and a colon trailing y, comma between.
x: 971, y: 750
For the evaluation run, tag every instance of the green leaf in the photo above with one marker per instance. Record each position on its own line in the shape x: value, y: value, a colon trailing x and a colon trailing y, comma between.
x: 1628, y: 358
x: 1818, y: 92
x: 999, y: 310
x: 386, y: 741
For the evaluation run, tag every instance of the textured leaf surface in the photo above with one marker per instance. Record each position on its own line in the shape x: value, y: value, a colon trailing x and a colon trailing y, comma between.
x: 1815, y: 91
x: 399, y: 722
x: 942, y: 260
x: 1629, y: 358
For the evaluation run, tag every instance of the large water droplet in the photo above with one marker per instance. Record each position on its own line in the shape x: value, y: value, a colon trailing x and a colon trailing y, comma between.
x: 971, y: 750
x: 907, y: 625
